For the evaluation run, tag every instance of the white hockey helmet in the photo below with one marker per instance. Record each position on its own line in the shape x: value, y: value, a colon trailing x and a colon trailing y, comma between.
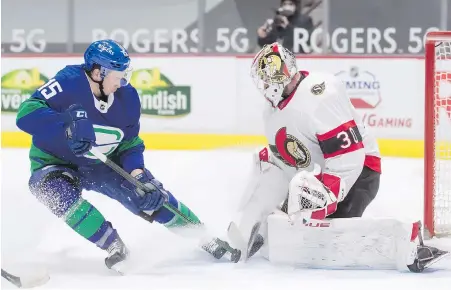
x: 272, y: 70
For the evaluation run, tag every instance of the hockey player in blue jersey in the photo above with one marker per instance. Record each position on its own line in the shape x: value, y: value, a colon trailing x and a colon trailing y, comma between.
x: 88, y: 105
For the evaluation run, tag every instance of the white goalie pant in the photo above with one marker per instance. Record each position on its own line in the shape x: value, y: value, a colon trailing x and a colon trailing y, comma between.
x: 350, y: 243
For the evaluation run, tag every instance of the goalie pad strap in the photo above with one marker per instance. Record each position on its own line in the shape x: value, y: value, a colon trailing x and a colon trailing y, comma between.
x: 323, y: 213
x: 263, y: 155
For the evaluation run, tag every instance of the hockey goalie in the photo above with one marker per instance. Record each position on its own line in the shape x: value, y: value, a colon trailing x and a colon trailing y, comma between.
x: 311, y: 185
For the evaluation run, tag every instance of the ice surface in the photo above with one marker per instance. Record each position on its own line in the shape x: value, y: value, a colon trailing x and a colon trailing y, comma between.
x: 211, y: 183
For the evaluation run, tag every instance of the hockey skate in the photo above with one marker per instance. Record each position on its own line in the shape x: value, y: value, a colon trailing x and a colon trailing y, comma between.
x: 218, y: 248
x: 258, y: 243
x: 426, y: 256
x: 117, y: 254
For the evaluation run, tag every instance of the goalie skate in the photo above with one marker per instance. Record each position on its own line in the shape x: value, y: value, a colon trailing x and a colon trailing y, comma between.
x: 426, y: 256
x: 249, y: 247
x: 258, y: 243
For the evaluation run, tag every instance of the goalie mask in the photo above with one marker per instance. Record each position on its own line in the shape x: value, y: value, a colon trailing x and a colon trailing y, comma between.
x: 272, y: 70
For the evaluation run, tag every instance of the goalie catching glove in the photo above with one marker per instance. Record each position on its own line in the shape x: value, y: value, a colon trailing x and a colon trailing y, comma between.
x: 308, y: 195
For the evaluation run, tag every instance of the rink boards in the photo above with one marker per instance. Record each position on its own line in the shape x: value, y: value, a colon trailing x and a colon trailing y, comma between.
x: 207, y: 102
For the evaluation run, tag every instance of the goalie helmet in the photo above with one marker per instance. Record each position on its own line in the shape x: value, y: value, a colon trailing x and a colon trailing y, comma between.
x: 272, y: 70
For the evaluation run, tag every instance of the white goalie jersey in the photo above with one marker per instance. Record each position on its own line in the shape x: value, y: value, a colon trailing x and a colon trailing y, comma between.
x: 317, y: 124
x: 300, y: 215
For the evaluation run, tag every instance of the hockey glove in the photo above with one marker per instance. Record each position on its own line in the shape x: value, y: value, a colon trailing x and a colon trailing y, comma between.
x: 149, y: 200
x: 308, y: 194
x: 79, y: 130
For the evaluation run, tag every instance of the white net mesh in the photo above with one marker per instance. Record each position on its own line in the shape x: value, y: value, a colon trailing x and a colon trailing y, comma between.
x: 442, y: 140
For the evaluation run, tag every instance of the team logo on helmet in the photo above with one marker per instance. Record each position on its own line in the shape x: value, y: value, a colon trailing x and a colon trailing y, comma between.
x: 290, y: 150
x: 104, y: 46
x: 271, y: 67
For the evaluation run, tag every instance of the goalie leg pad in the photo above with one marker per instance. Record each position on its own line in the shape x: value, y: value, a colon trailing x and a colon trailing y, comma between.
x: 349, y: 243
x: 267, y: 189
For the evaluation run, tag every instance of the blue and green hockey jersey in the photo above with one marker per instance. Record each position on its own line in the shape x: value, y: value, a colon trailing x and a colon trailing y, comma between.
x: 116, y: 122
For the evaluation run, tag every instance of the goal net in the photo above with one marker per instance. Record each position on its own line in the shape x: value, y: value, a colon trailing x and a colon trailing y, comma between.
x: 437, y: 203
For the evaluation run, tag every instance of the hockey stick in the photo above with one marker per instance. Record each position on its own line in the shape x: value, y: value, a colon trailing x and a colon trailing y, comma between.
x: 102, y: 157
x: 26, y: 282
x: 234, y: 253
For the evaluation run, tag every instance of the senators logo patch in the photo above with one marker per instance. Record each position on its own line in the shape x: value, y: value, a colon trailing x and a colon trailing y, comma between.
x: 318, y: 89
x: 290, y: 150
x: 271, y: 68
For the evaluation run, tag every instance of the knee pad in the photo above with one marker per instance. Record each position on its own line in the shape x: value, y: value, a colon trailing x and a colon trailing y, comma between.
x: 57, y: 187
x: 266, y: 181
x: 267, y: 189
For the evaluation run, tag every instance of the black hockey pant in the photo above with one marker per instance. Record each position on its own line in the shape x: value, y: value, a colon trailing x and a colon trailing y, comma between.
x: 360, y: 196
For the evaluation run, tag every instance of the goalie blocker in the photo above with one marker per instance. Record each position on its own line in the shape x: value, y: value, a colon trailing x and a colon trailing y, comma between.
x: 350, y: 243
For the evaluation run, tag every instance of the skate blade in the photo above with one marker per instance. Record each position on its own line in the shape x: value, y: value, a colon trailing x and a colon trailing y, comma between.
x: 120, y: 268
x: 116, y: 271
x: 436, y: 259
x: 237, y: 240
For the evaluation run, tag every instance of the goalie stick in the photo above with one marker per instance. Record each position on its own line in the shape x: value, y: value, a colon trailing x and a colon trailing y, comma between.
x: 217, y: 252
x: 27, y: 281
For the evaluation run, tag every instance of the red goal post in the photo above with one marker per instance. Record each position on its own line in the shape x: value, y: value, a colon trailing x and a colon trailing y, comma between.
x: 437, y: 138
